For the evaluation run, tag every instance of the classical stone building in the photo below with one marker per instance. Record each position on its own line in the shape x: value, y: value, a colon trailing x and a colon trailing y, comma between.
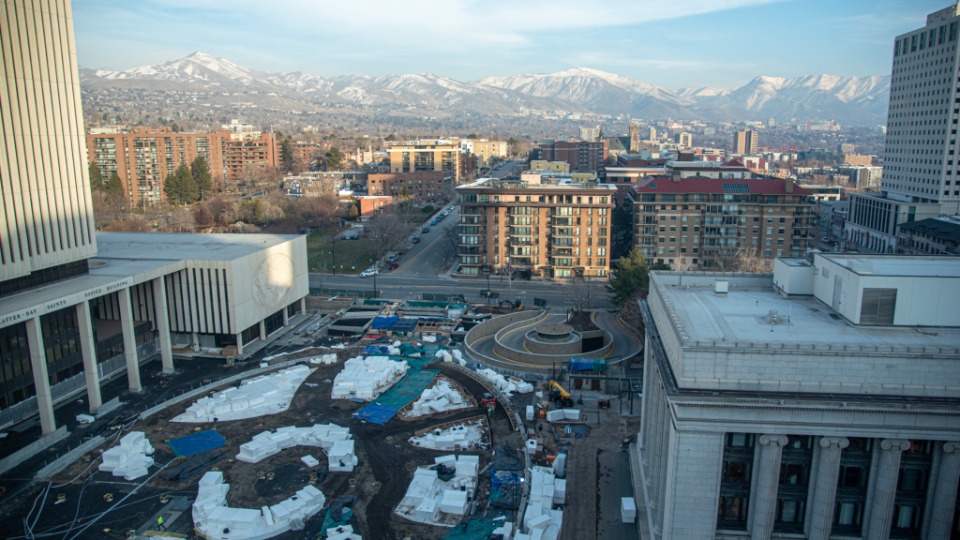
x: 822, y: 401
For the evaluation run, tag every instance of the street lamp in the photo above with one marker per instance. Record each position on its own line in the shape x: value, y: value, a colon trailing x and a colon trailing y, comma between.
x: 334, y: 254
x: 375, y: 272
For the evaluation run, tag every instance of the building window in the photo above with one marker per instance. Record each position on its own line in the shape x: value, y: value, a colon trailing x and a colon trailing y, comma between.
x: 852, y: 486
x: 732, y: 511
x: 794, y: 483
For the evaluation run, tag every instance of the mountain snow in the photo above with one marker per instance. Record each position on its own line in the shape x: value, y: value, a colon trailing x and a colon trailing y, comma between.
x: 844, y: 98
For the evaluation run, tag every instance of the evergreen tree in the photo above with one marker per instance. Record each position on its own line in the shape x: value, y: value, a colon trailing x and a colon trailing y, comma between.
x: 286, y: 154
x: 96, y: 178
x: 200, y: 171
x: 114, y: 189
x: 180, y: 186
x: 631, y: 279
x: 334, y: 159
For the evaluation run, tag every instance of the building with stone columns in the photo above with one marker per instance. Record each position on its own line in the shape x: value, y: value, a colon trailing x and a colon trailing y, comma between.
x: 77, y: 307
x: 822, y: 401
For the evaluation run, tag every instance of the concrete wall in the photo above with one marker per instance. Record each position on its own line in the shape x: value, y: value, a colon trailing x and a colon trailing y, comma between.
x: 693, y: 488
x: 263, y: 283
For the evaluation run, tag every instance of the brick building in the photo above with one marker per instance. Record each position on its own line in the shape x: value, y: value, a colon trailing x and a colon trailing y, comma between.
x: 583, y: 156
x: 432, y: 186
x: 553, y: 230
x: 701, y: 223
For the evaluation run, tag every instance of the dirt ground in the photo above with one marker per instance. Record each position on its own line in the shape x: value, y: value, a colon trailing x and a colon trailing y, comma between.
x: 386, y: 465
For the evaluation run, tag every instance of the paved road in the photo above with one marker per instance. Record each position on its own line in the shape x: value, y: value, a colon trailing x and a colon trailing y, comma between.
x: 433, y: 253
x: 398, y: 286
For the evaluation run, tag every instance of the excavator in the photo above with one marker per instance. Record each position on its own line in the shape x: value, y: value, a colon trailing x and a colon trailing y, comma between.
x: 560, y: 396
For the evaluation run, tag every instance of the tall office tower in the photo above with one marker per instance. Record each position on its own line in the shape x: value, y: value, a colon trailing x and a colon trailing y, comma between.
x: 921, y: 177
x: 920, y: 161
x: 634, y: 136
x: 46, y: 226
x: 745, y: 142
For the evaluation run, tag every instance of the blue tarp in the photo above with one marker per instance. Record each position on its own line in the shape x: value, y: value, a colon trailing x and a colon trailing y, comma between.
x: 376, y: 413
x: 406, y: 325
x: 197, y: 442
x: 380, y: 323
x: 376, y: 350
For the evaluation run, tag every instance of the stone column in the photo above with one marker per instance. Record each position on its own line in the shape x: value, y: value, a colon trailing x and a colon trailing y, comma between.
x: 825, y: 486
x: 129, y: 341
x: 945, y: 494
x: 286, y: 316
x: 763, y: 503
x: 41, y: 378
x: 239, y: 344
x: 88, y: 350
x: 163, y: 323
x: 303, y: 305
x: 885, y: 488
x: 263, y: 330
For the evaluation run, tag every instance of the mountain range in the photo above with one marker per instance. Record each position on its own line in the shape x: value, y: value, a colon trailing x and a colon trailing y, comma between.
x: 848, y: 100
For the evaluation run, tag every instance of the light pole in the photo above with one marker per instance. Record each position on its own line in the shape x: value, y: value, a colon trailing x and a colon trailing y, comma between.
x: 375, y: 272
x: 334, y: 254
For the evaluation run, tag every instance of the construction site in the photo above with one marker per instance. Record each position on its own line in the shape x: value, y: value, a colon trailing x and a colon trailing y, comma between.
x: 368, y: 420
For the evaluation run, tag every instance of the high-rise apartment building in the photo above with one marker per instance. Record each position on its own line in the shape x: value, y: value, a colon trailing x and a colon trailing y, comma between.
x: 554, y: 230
x: 745, y: 141
x: 424, y: 156
x: 78, y: 308
x: 820, y: 402
x: 921, y: 176
x: 705, y: 223
x: 583, y: 156
x: 143, y: 158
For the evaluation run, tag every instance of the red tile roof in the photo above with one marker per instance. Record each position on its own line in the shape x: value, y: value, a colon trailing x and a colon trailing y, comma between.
x: 735, y: 186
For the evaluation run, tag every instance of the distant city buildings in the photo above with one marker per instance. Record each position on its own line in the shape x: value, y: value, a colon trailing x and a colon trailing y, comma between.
x: 427, y: 155
x: 144, y: 157
x: 551, y: 229
x: 921, y: 176
x: 583, y: 156
x: 745, y: 141
x: 485, y: 150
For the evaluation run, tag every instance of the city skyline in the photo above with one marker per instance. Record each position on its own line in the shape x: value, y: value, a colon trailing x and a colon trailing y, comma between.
x: 720, y: 44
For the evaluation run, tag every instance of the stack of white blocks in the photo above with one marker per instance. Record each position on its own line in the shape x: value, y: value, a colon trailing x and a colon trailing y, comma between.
x: 428, y: 496
x: 325, y: 359
x: 461, y: 436
x: 335, y: 440
x: 212, y: 516
x: 504, y: 384
x: 540, y: 520
x: 130, y: 459
x: 440, y: 397
x: 560, y: 415
x: 267, y: 394
x: 367, y: 378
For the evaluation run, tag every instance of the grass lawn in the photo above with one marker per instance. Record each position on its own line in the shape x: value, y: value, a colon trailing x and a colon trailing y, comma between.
x: 352, y: 256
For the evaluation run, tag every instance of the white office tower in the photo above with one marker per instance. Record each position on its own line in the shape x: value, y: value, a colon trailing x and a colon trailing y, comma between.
x: 921, y: 162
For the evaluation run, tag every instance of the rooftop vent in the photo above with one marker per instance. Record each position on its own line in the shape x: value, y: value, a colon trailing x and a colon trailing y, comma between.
x: 721, y: 286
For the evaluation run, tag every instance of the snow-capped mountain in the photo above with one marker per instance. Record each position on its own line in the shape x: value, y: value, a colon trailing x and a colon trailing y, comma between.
x: 847, y: 99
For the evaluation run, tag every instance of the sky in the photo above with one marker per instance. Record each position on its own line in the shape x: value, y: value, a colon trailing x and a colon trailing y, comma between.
x: 670, y: 43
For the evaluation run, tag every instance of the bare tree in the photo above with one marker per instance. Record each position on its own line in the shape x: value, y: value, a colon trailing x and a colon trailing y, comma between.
x: 181, y: 220
x: 388, y: 230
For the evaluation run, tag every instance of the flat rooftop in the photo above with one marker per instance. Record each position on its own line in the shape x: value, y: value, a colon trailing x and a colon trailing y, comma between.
x: 175, y: 246
x: 897, y: 265
x: 743, y: 317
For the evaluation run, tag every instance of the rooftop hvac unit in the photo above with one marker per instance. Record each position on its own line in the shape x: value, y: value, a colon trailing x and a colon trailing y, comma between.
x: 721, y: 286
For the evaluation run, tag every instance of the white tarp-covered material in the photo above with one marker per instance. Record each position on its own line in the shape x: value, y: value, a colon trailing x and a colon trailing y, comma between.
x: 129, y: 459
x: 433, y: 501
x: 367, y: 377
x: 335, y: 440
x: 325, y: 359
x: 259, y: 396
x: 461, y: 436
x: 505, y: 384
x: 540, y: 519
x: 441, y: 397
x: 214, y: 519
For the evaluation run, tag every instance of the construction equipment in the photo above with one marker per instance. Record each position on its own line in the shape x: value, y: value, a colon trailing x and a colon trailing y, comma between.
x: 560, y: 396
x: 489, y: 403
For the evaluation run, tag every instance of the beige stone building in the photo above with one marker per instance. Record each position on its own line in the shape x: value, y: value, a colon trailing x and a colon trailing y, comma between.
x: 423, y: 156
x: 703, y: 223
x: 549, y: 229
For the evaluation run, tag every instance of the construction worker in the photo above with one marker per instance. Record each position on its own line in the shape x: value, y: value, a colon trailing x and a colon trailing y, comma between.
x: 160, y: 523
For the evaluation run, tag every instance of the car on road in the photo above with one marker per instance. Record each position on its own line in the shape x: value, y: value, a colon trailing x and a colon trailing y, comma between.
x: 415, y: 239
x: 369, y: 272
x: 425, y: 229
x: 392, y: 266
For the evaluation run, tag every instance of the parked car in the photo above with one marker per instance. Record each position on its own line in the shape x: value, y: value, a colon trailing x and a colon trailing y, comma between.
x: 369, y: 272
x: 392, y: 266
x: 425, y: 229
x: 415, y: 239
